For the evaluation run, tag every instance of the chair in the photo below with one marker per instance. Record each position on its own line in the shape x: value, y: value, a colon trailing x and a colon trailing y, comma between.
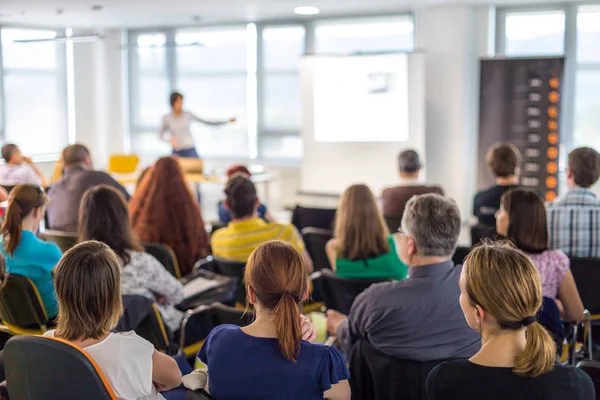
x: 377, y: 376
x: 198, y: 395
x: 586, y: 272
x: 315, y: 240
x: 123, y: 163
x: 152, y: 328
x: 64, y: 240
x: 393, y: 223
x: 481, y: 232
x: 166, y: 256
x: 21, y: 307
x: 44, y: 368
x: 8, y: 188
x: 304, y: 217
x: 460, y: 254
x: 233, y: 269
x: 592, y: 368
x: 339, y: 293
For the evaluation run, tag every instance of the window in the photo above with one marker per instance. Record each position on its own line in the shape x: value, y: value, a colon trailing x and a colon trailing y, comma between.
x: 534, y: 33
x: 365, y: 35
x: 35, y: 91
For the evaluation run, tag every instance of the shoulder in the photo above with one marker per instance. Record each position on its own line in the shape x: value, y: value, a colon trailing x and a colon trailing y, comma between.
x: 448, y: 373
x: 575, y: 376
x: 225, y: 331
x: 554, y: 256
x: 48, y: 248
x: 332, y: 367
x: 141, y: 257
x: 133, y: 341
x: 226, y: 334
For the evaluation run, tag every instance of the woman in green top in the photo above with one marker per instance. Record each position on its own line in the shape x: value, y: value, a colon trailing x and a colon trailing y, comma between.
x: 363, y: 247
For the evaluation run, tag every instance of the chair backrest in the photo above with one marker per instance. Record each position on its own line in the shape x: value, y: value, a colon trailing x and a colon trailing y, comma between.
x: 549, y: 317
x: 339, y: 293
x: 166, y: 256
x: 123, y: 163
x: 198, y: 395
x: 481, y: 232
x: 304, y: 217
x: 64, y: 240
x: 43, y: 368
x: 153, y: 329
x: 315, y: 240
x: 586, y: 272
x: 459, y: 254
x: 393, y: 223
x: 21, y: 307
x: 592, y: 369
x: 233, y: 269
x: 135, y: 309
x: 377, y: 376
x: 8, y: 188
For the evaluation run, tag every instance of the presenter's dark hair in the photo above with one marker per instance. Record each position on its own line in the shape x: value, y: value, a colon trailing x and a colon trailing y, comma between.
x: 528, y: 226
x: 409, y: 161
x: 503, y: 159
x: 174, y: 97
x: 8, y: 150
x: 241, y: 196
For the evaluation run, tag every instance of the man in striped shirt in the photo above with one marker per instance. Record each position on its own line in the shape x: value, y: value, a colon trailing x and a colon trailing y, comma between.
x: 574, y: 220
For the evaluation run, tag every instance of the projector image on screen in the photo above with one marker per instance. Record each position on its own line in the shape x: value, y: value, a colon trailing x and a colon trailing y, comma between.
x: 361, y: 98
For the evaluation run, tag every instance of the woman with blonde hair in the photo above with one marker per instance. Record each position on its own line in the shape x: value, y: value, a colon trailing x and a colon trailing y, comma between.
x: 362, y: 246
x: 501, y: 295
x: 269, y: 359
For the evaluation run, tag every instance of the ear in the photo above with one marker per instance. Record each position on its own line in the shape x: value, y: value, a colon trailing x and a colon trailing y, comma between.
x: 306, y: 293
x: 411, y: 247
x: 257, y: 204
x: 226, y: 206
x: 251, y: 295
x: 569, y: 173
x: 38, y: 212
x: 480, y: 314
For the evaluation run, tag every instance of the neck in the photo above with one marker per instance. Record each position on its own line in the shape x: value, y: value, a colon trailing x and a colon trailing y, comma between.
x: 83, y: 342
x: 263, y: 325
x: 507, y: 180
x: 572, y: 185
x: 420, y: 261
x: 500, y: 348
x: 409, y: 175
x: 177, y: 112
x: 252, y: 216
x: 75, y: 166
x: 30, y: 224
x: 13, y: 163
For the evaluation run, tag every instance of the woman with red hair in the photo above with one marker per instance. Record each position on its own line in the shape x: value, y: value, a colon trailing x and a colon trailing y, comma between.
x: 163, y: 210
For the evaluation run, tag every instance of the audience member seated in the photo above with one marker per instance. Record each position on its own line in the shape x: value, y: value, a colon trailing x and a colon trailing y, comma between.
x: 500, y: 297
x: 247, y: 231
x: 504, y: 161
x: 103, y: 216
x: 225, y: 215
x: 362, y: 246
x: 67, y: 192
x: 26, y: 254
x: 88, y: 288
x: 394, y: 199
x: 19, y: 169
x: 574, y: 220
x: 163, y: 210
x: 417, y: 318
x: 269, y: 358
x: 522, y: 219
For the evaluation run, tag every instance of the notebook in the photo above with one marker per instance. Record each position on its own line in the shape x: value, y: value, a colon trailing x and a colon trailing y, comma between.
x: 199, y: 285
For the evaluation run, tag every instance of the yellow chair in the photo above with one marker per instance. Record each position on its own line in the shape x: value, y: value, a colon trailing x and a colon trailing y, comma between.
x: 123, y: 163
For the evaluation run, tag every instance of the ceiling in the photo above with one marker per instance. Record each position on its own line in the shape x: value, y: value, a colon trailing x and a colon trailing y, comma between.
x: 152, y: 13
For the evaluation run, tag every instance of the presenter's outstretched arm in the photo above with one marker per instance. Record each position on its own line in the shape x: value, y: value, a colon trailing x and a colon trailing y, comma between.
x: 207, y: 122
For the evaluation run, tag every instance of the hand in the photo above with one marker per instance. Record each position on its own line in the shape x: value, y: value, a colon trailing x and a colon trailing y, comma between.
x: 309, y: 332
x: 28, y: 160
x: 174, y: 142
x: 160, y: 299
x: 334, y: 319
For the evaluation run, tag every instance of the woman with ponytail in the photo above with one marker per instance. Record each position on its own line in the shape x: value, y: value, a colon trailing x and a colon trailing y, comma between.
x: 26, y: 254
x: 501, y: 295
x: 270, y: 358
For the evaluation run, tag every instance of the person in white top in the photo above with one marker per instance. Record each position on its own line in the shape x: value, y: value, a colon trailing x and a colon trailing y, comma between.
x: 19, y: 169
x: 175, y: 127
x: 87, y: 281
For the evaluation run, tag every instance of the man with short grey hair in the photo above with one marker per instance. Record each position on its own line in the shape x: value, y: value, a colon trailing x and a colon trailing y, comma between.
x: 418, y: 318
x: 394, y: 199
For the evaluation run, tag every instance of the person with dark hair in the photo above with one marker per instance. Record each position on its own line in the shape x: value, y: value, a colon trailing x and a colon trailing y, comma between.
x: 522, y: 219
x: 163, y: 210
x: 19, y: 169
x: 26, y: 254
x: 272, y: 358
x: 500, y: 297
x: 224, y: 214
x: 103, y: 216
x: 67, y: 192
x: 417, y: 318
x: 247, y: 231
x: 394, y: 199
x: 175, y: 127
x: 574, y: 220
x: 504, y: 160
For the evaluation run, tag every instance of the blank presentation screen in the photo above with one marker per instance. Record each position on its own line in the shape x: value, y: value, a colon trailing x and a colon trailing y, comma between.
x: 361, y: 98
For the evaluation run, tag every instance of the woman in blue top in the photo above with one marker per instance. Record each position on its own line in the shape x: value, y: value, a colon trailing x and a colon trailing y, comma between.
x: 25, y: 254
x: 268, y: 359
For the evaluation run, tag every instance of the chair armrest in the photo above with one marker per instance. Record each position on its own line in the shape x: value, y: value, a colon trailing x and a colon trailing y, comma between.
x: 199, y: 394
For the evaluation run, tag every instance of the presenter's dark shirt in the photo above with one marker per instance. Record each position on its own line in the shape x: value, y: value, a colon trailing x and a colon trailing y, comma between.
x: 463, y: 380
x: 418, y: 318
x: 394, y: 199
x: 66, y: 194
x: 487, y: 202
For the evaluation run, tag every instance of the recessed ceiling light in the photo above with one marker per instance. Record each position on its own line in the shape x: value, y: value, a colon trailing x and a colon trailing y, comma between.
x: 306, y: 10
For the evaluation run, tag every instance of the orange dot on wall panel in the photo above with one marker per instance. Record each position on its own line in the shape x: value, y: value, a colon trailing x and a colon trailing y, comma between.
x: 552, y: 153
x: 552, y: 125
x: 552, y: 112
x: 554, y: 83
x: 552, y: 167
x: 553, y: 138
x: 553, y: 96
x: 550, y: 195
x: 551, y: 182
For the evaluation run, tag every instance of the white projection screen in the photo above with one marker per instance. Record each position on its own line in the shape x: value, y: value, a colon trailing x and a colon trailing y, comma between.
x: 358, y: 113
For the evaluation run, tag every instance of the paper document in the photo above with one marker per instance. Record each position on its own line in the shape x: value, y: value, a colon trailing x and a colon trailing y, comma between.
x: 199, y: 285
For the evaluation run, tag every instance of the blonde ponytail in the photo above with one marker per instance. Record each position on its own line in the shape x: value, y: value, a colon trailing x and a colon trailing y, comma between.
x: 287, y: 326
x: 539, y: 355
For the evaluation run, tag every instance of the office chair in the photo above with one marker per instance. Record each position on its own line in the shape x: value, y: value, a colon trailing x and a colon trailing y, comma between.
x: 198, y: 395
x: 339, y: 293
x: 152, y: 328
x: 460, y: 254
x: 393, y: 223
x: 123, y: 163
x: 592, y: 368
x: 586, y: 272
x: 315, y: 240
x: 304, y: 217
x: 46, y: 368
x: 64, y: 240
x: 166, y: 256
x: 233, y: 269
x: 21, y: 308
